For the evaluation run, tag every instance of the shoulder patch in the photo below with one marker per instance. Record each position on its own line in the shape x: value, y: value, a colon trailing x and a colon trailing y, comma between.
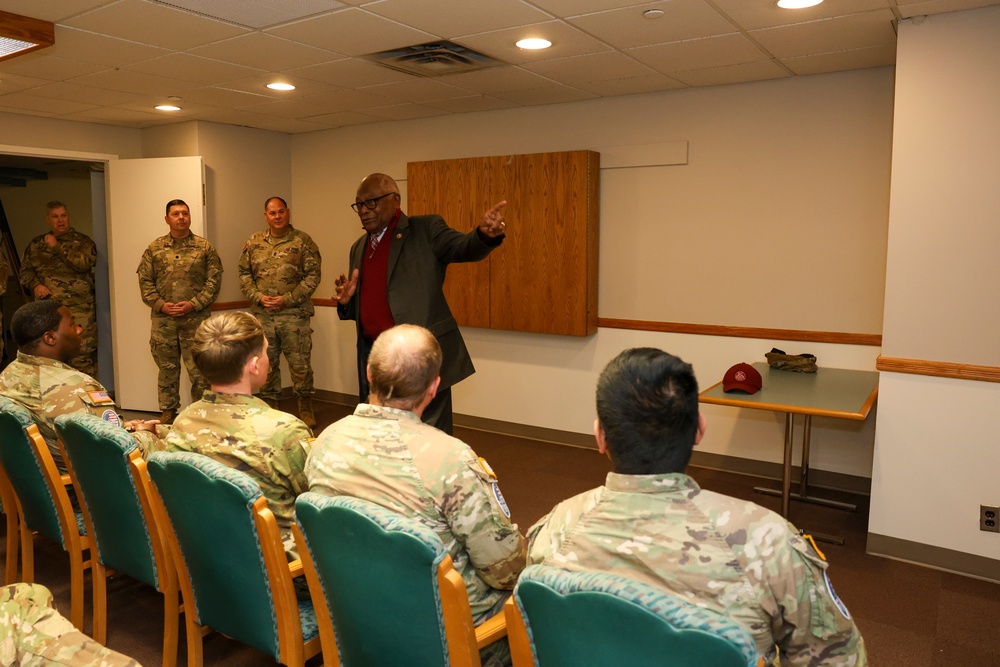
x: 833, y: 596
x: 486, y: 468
x: 112, y: 417
x: 100, y: 397
x: 501, y: 501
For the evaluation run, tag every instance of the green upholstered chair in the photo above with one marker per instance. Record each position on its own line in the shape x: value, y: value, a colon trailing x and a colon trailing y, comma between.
x: 8, y: 505
x: 385, y: 590
x: 43, y: 502
x: 111, y: 479
x: 558, y: 618
x: 231, y: 565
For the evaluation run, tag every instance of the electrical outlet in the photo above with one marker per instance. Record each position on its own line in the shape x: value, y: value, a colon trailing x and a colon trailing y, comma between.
x: 989, y: 518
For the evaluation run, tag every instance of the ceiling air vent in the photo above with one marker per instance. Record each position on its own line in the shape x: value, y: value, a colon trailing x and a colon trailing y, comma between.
x: 433, y: 59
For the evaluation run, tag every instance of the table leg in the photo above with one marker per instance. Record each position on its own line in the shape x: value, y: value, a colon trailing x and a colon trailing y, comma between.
x: 804, y: 478
x: 786, y: 472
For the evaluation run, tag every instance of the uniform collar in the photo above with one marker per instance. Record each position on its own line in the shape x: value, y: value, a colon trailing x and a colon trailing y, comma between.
x: 384, y: 412
x: 669, y: 483
x: 36, y: 360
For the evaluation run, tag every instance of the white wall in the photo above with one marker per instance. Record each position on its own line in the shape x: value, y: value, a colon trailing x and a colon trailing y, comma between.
x: 936, y: 454
x: 736, y: 133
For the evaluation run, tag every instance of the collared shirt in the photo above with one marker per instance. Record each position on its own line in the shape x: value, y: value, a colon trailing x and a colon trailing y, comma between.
x: 717, y: 552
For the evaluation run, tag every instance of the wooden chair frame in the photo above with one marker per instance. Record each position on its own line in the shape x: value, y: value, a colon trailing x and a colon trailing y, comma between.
x: 9, y: 501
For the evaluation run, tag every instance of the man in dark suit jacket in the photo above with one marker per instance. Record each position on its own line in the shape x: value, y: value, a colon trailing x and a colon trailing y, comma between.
x: 397, y: 277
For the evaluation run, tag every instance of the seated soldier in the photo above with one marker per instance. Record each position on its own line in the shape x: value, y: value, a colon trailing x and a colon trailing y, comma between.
x: 33, y: 633
x: 233, y: 427
x: 41, y: 379
x: 652, y: 523
x: 385, y: 454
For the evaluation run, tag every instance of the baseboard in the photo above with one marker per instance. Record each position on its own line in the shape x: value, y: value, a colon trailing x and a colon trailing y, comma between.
x: 938, y: 558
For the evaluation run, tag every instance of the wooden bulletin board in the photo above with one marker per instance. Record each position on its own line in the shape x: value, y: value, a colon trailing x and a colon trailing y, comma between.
x: 543, y: 278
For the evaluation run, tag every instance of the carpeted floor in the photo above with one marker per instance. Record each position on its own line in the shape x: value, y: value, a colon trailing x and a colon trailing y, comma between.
x: 910, y: 616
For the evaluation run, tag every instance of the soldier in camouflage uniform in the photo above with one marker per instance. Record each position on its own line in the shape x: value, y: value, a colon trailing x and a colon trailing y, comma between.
x: 279, y: 271
x: 33, y: 633
x: 179, y: 278
x: 60, y: 265
x: 385, y: 454
x: 652, y: 523
x: 41, y: 380
x: 233, y: 427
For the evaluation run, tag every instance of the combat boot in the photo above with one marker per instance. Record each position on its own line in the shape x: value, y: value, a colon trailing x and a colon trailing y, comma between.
x: 306, y: 412
x: 168, y: 416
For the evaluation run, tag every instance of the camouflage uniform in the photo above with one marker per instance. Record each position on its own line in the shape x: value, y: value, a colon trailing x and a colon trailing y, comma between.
x: 48, y: 388
x: 389, y: 457
x: 67, y: 270
x: 4, y: 273
x: 245, y: 433
x: 174, y: 270
x: 720, y: 553
x: 33, y: 634
x: 287, y: 266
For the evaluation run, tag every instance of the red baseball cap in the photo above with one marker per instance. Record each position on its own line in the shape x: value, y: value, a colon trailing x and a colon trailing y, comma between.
x: 742, y: 377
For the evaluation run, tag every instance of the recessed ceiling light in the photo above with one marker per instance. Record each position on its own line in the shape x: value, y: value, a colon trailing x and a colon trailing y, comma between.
x: 652, y: 14
x: 533, y: 43
x: 798, y: 4
x: 167, y: 107
x: 281, y: 86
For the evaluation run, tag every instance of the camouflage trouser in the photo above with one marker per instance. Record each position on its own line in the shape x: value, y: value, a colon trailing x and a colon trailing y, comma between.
x: 289, y: 334
x: 33, y: 633
x: 170, y: 341
x: 86, y: 317
x: 496, y: 654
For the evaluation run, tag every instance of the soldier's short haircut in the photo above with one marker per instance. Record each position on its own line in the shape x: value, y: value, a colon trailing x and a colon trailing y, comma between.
x: 223, y: 343
x: 176, y: 202
x: 33, y: 320
x: 53, y: 205
x: 647, y: 403
x: 403, y: 363
x: 270, y: 199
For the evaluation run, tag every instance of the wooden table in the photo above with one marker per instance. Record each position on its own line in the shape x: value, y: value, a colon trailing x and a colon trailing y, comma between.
x: 829, y: 392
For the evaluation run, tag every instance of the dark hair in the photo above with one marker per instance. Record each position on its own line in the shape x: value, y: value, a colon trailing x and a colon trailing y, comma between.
x: 223, y: 343
x: 176, y: 202
x: 33, y: 320
x: 53, y: 205
x: 647, y: 402
x: 403, y: 363
x: 270, y: 199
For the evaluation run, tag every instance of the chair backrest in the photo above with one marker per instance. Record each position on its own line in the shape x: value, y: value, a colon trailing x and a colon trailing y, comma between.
x: 25, y: 472
x: 210, y: 508
x: 98, y: 454
x: 583, y: 618
x: 379, y: 572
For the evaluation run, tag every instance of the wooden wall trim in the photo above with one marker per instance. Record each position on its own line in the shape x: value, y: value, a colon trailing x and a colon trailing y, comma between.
x: 941, y: 369
x: 744, y: 332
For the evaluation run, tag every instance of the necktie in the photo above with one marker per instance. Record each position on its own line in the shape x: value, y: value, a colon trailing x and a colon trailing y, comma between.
x: 373, y: 244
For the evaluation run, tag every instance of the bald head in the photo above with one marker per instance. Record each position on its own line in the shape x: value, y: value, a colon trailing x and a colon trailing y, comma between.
x: 403, y: 366
x: 380, y: 183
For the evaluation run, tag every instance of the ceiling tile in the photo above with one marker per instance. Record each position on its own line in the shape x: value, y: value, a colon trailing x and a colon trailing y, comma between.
x: 682, y: 19
x: 354, y: 32
x: 566, y: 41
x: 130, y: 81
x: 754, y: 14
x: 266, y: 52
x: 453, y: 18
x: 293, y: 108
x: 592, y: 67
x: 551, y: 95
x: 470, y: 104
x: 50, y: 11
x: 128, y: 117
x: 828, y: 35
x: 42, y: 66
x: 875, y: 56
x: 90, y: 47
x: 405, y: 112
x: 742, y: 73
x: 631, y: 86
x: 349, y: 73
x: 909, y: 8
x: 498, y: 79
x: 698, y: 53
x: 292, y: 126
x: 236, y: 117
x: 257, y: 85
x: 415, y: 90
x: 74, y: 92
x: 345, y: 100
x: 345, y: 118
x: 256, y: 14
x: 576, y: 7
x: 222, y: 97
x: 185, y: 67
x: 155, y: 24
x: 43, y: 104
x: 12, y: 83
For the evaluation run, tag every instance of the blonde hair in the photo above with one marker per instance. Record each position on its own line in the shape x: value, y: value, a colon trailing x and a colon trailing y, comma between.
x: 223, y: 343
x: 403, y: 363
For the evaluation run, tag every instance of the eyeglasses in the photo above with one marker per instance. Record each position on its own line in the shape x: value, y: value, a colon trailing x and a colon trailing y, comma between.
x: 369, y: 204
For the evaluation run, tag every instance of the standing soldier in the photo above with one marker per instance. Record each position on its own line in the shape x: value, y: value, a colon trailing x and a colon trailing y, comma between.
x: 179, y: 278
x: 279, y: 271
x: 60, y: 265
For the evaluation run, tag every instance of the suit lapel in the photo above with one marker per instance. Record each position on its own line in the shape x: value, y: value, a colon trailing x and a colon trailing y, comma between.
x: 396, y: 244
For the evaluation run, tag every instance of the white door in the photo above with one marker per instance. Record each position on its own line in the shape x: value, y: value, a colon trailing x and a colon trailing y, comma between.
x: 138, y: 191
